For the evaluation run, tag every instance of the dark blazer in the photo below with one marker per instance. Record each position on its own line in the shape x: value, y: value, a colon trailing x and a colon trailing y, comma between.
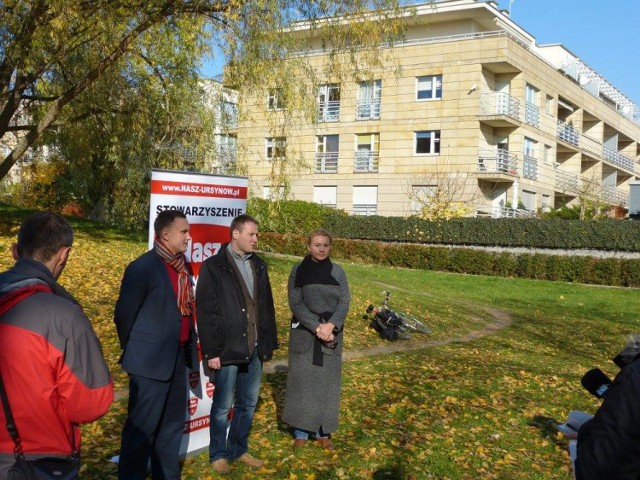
x: 222, y: 311
x: 609, y: 444
x: 148, y: 320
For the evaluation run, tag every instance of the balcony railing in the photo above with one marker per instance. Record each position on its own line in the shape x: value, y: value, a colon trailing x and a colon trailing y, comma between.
x: 329, y: 111
x: 365, y: 161
x: 365, y: 209
x: 497, y: 161
x: 532, y: 114
x: 566, y: 181
x: 568, y: 133
x: 530, y: 167
x: 614, y: 195
x: 619, y: 159
x: 326, y: 162
x: 499, y: 103
x: 368, y: 109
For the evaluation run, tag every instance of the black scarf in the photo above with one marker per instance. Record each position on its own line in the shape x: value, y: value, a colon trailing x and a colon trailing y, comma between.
x: 312, y: 272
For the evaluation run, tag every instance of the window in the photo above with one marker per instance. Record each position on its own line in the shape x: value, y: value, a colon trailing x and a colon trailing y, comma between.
x: 228, y: 114
x: 547, y: 154
x: 276, y: 147
x: 365, y: 200
x: 531, y: 110
x: 275, y: 100
x: 228, y: 145
x: 429, y: 88
x: 368, y: 104
x: 548, y: 105
x: 366, y: 159
x: 529, y: 200
x: 530, y: 164
x: 272, y: 193
x: 327, y: 154
x: 326, y: 195
x: 421, y: 196
x: 428, y: 142
x: 546, y: 203
x: 329, y: 102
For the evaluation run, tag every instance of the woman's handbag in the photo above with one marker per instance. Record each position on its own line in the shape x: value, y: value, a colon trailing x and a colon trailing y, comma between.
x: 46, y: 468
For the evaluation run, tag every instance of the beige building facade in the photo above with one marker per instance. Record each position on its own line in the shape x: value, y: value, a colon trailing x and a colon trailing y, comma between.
x: 479, y: 112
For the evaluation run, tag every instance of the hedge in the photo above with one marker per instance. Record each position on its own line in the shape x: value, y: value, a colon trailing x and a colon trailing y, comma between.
x: 299, y: 217
x: 579, y: 269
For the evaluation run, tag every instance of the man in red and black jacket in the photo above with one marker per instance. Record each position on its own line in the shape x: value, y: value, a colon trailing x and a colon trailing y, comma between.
x: 50, y: 357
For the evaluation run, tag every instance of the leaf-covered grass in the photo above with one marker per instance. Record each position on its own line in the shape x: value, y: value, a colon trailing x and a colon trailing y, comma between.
x: 473, y: 403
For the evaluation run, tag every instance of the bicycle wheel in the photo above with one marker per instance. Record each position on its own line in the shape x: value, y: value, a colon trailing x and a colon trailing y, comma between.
x: 413, y: 323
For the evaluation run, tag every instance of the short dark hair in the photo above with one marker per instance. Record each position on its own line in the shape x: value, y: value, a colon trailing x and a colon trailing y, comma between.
x: 239, y: 222
x: 42, y: 235
x: 166, y: 218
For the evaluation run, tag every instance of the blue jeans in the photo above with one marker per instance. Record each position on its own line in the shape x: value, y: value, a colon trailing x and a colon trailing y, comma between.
x: 245, y: 380
x: 304, y: 434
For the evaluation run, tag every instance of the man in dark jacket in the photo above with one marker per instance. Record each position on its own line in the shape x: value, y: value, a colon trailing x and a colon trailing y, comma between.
x: 609, y: 443
x: 237, y: 329
x: 154, y: 318
x: 51, y: 361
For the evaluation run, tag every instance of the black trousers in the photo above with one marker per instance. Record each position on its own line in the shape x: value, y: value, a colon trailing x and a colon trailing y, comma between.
x: 154, y: 426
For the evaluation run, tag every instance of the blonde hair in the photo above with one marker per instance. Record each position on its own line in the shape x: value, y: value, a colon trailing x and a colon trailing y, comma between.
x: 319, y: 232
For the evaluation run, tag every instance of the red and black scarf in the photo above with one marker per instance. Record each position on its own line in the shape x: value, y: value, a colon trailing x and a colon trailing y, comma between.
x: 186, y: 299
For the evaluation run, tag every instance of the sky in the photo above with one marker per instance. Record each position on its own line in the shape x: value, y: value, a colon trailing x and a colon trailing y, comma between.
x: 602, y: 33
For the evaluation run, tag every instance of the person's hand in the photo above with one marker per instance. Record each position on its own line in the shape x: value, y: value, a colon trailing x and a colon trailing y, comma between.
x: 324, y: 331
x: 214, y: 363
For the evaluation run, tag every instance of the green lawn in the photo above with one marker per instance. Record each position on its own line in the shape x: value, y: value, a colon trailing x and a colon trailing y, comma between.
x: 473, y: 403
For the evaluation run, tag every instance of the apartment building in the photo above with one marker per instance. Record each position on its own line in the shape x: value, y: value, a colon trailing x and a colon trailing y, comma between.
x: 479, y: 109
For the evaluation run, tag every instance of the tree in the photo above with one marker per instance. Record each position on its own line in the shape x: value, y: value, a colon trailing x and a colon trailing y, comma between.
x: 442, y: 192
x: 57, y: 53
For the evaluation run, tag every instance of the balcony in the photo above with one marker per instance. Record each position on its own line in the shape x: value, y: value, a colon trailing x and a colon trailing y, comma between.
x: 329, y: 111
x: 532, y: 114
x: 530, y: 167
x: 614, y: 195
x: 618, y: 159
x: 497, y: 165
x: 566, y: 182
x: 368, y: 109
x: 365, y: 161
x: 326, y: 162
x: 568, y: 133
x: 501, y: 108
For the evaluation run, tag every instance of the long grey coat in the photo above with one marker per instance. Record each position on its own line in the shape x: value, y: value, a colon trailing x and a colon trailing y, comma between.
x: 312, y: 399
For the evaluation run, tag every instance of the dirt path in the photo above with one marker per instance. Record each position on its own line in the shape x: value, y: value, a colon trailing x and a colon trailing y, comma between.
x: 501, y: 320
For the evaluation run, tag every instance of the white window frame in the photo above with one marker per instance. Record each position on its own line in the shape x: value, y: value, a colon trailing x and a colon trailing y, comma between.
x: 529, y: 197
x: 421, y: 196
x: 326, y: 195
x: 435, y: 82
x: 274, y: 100
x: 328, y: 111
x: 369, y: 95
x: 272, y: 145
x: 365, y: 199
x: 434, y: 143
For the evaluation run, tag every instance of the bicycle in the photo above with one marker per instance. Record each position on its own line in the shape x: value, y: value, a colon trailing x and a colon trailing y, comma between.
x: 393, y: 324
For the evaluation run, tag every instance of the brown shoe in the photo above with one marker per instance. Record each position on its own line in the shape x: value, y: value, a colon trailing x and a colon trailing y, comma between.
x: 221, y: 466
x: 325, y: 443
x: 299, y: 443
x: 247, y: 459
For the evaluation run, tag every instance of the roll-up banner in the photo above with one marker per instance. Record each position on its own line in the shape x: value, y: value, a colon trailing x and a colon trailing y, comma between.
x: 210, y: 203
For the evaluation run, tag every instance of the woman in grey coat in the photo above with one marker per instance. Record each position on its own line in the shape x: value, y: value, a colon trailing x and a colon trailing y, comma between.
x: 319, y: 300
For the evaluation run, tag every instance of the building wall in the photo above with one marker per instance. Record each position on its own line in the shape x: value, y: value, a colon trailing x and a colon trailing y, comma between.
x: 472, y: 68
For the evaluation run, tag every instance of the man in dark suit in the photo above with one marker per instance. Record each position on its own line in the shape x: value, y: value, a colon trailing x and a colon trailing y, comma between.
x: 154, y: 318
